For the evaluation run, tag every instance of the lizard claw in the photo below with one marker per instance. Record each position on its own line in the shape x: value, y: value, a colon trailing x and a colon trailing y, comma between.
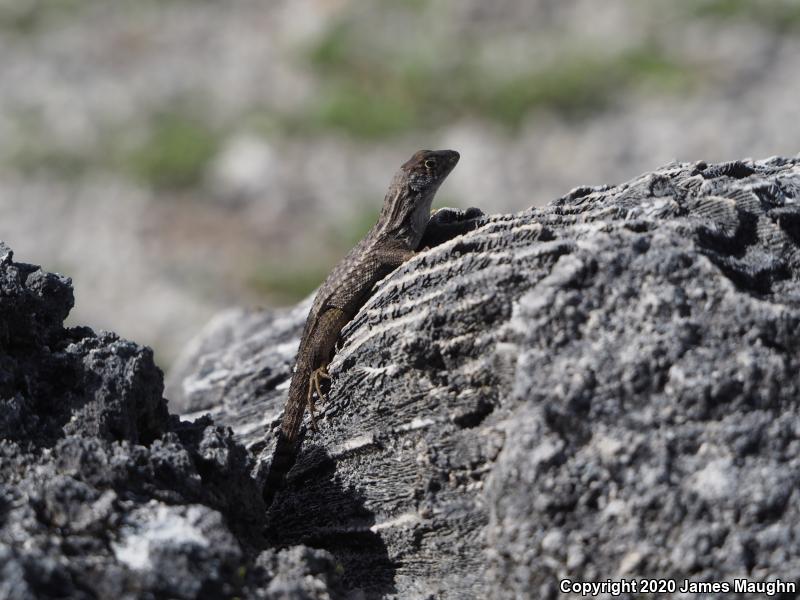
x: 314, y: 386
x: 320, y: 373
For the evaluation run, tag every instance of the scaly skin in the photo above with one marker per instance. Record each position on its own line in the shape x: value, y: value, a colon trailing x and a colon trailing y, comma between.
x: 392, y: 240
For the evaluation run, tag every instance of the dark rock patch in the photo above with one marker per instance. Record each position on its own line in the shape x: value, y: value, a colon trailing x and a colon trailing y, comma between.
x: 103, y: 494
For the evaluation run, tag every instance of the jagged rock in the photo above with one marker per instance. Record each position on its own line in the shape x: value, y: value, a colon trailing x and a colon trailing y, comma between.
x: 103, y: 494
x: 604, y: 387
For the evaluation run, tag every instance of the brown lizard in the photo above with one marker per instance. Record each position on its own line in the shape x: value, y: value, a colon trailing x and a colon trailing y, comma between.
x: 393, y: 240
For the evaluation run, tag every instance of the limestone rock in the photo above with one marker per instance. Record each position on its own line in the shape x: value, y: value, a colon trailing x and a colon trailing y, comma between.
x: 605, y: 386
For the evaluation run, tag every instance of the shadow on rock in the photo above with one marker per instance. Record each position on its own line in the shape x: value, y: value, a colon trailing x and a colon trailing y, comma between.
x: 315, y: 510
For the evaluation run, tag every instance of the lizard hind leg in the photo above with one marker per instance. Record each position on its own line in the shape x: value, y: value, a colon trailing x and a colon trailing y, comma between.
x: 310, y: 402
x: 314, y: 386
x: 320, y: 373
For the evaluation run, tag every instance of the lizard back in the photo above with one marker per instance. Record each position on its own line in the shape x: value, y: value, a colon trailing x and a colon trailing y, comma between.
x: 389, y: 243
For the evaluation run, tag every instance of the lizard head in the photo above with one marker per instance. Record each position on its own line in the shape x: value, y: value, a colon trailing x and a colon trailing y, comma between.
x: 427, y: 169
x: 408, y: 203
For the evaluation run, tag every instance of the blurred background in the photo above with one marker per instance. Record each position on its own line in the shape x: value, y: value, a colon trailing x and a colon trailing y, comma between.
x: 178, y: 156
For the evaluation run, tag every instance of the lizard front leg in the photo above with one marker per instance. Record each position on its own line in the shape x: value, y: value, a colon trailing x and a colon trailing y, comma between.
x: 447, y: 223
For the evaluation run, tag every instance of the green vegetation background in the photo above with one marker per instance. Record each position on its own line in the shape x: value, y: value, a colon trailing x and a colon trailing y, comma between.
x: 374, y: 86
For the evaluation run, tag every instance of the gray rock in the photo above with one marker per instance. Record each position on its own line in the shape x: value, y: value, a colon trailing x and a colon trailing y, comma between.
x: 600, y: 388
x: 102, y: 492
x: 603, y: 387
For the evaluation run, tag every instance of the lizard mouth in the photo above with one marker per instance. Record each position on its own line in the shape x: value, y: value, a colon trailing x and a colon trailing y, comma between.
x: 451, y: 159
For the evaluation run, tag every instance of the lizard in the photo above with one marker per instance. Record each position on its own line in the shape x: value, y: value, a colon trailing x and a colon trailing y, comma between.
x: 393, y: 240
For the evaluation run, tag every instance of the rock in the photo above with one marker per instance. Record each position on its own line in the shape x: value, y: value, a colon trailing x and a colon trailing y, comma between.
x: 607, y: 386
x: 603, y: 387
x: 102, y: 492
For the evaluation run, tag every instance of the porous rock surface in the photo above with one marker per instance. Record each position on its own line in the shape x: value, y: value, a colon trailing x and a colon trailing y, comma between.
x: 103, y: 494
x: 605, y: 387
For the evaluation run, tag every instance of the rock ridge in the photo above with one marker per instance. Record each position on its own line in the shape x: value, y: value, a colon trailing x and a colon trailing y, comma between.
x: 603, y: 387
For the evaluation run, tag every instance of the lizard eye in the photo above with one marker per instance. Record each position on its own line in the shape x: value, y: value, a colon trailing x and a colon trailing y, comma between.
x: 430, y: 163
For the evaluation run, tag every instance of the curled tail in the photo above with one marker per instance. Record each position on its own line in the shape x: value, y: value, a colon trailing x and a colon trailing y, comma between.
x: 282, y: 462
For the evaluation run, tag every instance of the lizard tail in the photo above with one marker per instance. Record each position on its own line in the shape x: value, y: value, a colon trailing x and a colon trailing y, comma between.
x: 282, y: 462
x: 288, y: 443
